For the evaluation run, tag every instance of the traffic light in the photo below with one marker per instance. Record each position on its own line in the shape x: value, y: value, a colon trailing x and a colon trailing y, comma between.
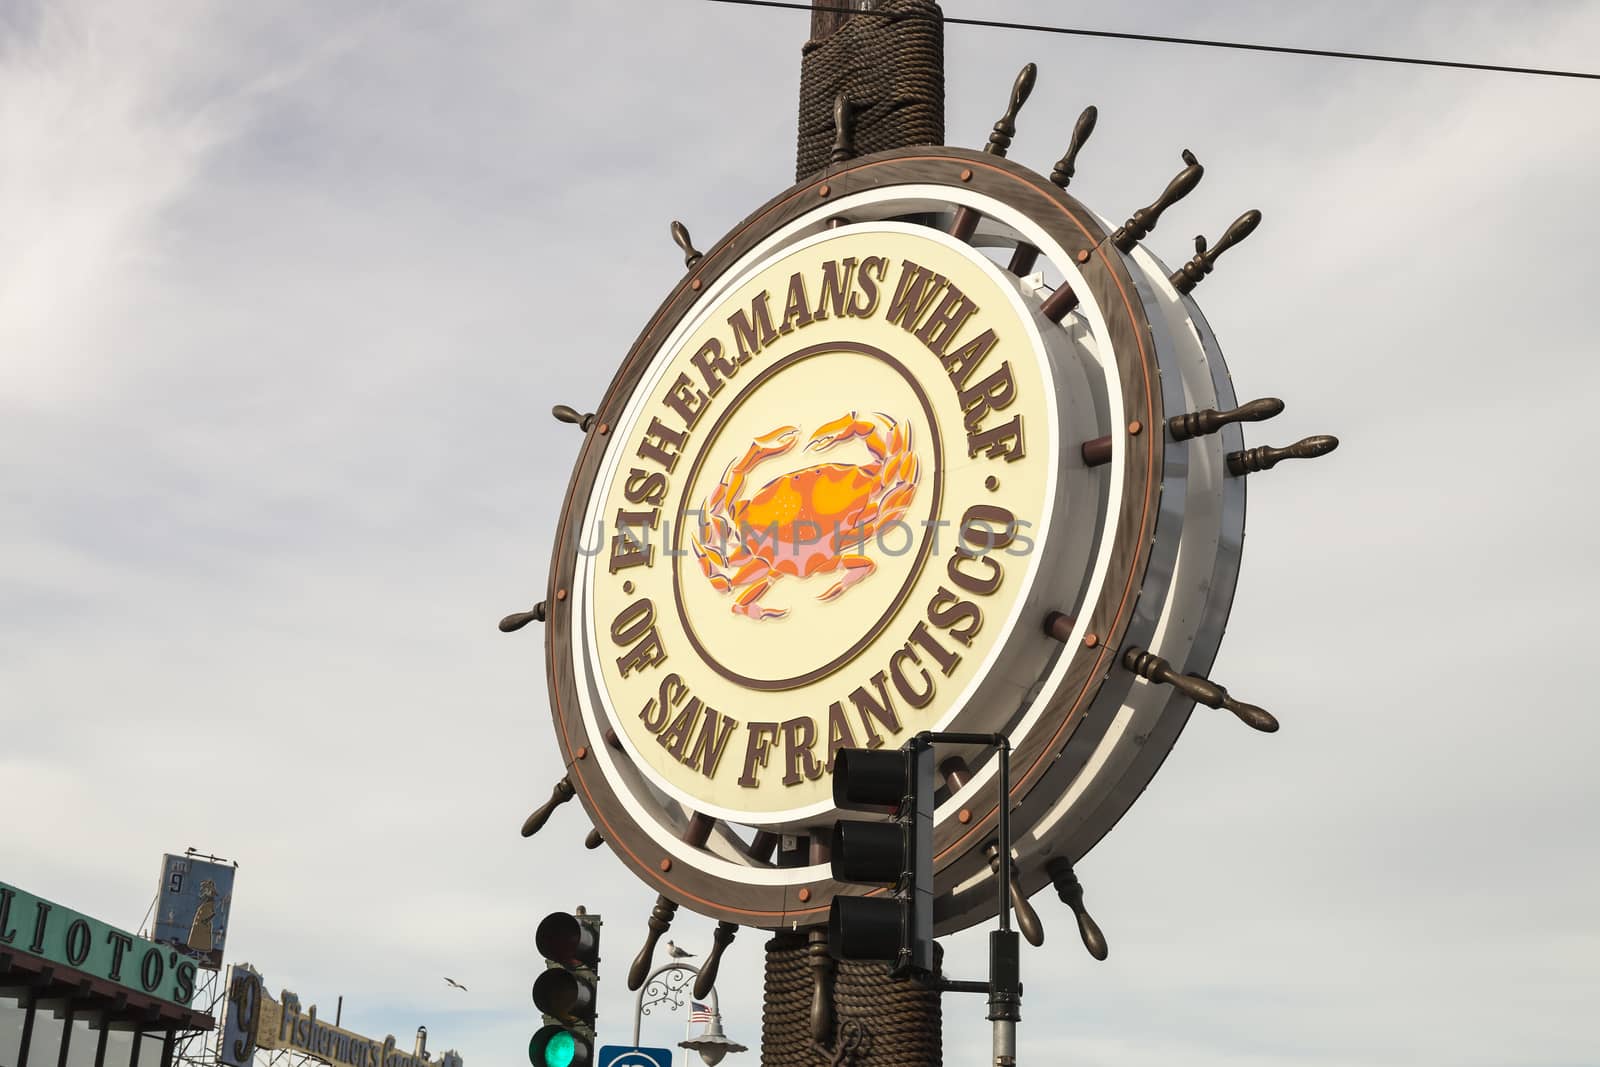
x: 897, y: 928
x: 567, y: 992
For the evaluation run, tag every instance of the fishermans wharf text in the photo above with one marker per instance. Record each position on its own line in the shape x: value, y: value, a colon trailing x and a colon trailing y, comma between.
x: 929, y: 307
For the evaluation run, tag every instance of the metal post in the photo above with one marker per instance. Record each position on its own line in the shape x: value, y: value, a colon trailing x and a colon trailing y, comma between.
x: 28, y: 1032
x: 1005, y: 1043
x: 1005, y: 948
x: 1005, y: 963
x: 66, y: 1035
x: 1005, y: 832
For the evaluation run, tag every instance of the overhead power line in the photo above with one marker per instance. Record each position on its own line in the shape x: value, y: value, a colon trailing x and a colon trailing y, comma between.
x: 1242, y: 46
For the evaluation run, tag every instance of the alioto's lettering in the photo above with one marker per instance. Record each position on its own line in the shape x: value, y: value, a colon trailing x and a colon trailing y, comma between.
x: 37, y: 927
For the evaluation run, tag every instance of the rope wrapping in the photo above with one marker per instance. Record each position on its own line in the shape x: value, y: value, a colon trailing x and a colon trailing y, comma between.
x: 879, y: 1022
x: 891, y: 67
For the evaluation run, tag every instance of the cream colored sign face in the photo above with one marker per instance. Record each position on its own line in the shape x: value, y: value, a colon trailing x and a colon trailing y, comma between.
x: 818, y: 517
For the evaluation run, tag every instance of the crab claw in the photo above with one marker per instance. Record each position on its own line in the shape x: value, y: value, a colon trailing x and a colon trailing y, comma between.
x: 775, y: 443
x: 829, y: 434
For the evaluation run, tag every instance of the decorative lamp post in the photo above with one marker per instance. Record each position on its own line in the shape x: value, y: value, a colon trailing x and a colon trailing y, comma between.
x: 666, y: 985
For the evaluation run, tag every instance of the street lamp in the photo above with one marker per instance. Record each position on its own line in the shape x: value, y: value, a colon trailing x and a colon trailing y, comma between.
x: 713, y: 1044
x: 667, y: 984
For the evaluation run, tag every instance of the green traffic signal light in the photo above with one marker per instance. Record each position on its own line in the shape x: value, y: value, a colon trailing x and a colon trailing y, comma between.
x: 555, y: 1046
x: 566, y: 992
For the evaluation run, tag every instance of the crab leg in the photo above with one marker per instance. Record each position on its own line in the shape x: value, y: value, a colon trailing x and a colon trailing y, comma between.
x: 855, y: 569
x: 895, y: 504
x: 757, y: 575
x: 766, y: 446
x: 721, y: 507
x: 705, y: 556
x: 713, y: 542
x: 746, y: 603
x: 848, y: 427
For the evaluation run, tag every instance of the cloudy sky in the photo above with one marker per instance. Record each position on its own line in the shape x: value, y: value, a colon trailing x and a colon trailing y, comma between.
x: 287, y: 291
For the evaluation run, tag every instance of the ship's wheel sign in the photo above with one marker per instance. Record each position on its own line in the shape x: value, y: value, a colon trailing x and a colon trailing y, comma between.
x: 923, y: 444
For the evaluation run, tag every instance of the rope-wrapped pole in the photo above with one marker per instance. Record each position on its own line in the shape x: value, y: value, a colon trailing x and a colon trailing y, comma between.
x: 786, y: 1005
x: 867, y: 84
x: 889, y: 64
x: 880, y: 1022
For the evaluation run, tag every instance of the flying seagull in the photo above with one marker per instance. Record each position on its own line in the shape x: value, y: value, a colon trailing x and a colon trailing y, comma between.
x: 455, y: 984
x: 676, y: 953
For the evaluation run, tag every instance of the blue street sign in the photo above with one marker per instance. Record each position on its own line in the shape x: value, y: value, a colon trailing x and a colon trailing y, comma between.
x: 621, y: 1056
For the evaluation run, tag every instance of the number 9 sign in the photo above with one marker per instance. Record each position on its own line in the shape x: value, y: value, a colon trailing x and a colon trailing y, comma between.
x: 244, y: 1013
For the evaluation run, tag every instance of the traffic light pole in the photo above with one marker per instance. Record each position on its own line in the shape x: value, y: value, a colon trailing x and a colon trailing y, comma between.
x: 1005, y: 964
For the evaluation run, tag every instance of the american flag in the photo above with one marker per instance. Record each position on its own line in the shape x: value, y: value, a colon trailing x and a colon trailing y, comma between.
x: 698, y: 1012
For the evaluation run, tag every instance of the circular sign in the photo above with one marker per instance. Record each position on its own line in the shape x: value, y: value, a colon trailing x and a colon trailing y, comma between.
x: 823, y: 510
x: 892, y: 458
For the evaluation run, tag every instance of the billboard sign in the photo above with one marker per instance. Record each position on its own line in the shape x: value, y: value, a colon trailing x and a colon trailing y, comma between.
x: 252, y: 1020
x: 192, y: 908
x: 41, y: 928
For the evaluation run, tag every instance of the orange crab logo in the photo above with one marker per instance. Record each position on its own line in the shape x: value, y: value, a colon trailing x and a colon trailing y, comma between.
x: 816, y: 520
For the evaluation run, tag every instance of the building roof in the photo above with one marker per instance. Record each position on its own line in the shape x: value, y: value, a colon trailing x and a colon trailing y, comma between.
x: 120, y: 1003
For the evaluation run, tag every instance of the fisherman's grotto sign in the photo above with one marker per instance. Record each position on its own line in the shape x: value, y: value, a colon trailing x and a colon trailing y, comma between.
x: 818, y: 517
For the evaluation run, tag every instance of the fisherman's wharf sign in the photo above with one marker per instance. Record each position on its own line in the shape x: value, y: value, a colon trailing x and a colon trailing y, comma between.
x: 921, y: 444
x: 819, y: 516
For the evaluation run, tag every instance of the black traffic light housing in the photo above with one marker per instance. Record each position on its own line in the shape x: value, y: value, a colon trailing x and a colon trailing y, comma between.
x: 568, y: 990
x: 897, y: 928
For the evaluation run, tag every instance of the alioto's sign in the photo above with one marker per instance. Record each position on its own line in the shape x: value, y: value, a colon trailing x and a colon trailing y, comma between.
x: 49, y: 931
x: 819, y: 516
